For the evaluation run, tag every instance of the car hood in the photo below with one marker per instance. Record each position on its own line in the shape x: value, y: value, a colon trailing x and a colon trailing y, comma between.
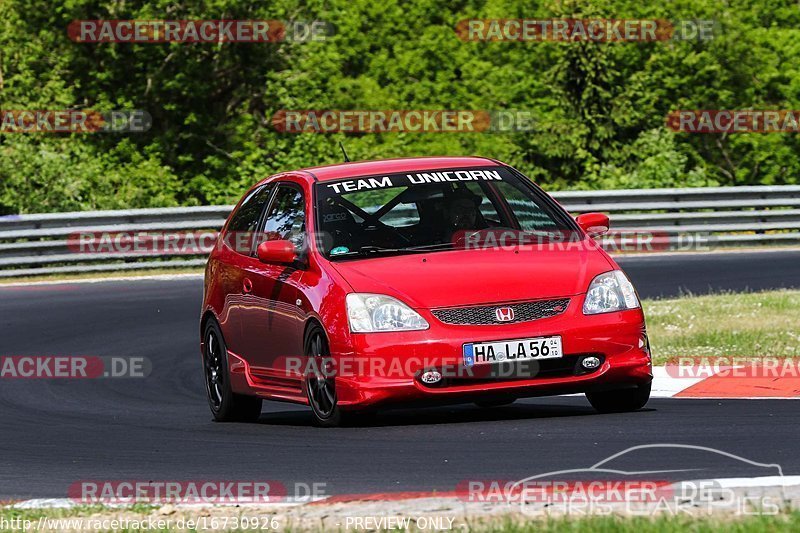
x: 469, y: 277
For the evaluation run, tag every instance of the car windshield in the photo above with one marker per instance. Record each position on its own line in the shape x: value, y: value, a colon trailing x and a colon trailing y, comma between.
x: 429, y: 211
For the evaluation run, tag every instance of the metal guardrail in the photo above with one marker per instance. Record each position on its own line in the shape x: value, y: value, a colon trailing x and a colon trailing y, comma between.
x: 723, y: 216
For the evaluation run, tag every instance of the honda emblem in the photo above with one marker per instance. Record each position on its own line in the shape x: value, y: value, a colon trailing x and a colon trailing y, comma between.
x: 504, y: 314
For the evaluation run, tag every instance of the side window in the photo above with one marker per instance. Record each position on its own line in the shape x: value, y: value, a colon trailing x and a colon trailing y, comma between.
x: 249, y: 212
x: 286, y: 218
x: 244, y: 221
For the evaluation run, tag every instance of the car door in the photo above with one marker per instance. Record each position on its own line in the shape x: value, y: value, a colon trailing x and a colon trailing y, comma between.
x: 236, y: 248
x: 273, y: 321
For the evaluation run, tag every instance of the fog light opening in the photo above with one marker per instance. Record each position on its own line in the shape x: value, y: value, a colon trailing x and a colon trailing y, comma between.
x: 590, y: 363
x: 431, y: 377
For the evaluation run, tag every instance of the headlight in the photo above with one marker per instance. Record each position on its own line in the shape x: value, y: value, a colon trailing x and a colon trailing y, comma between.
x: 377, y: 312
x: 609, y: 292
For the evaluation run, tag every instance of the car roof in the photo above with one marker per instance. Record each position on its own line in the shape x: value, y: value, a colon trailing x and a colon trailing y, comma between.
x: 390, y: 166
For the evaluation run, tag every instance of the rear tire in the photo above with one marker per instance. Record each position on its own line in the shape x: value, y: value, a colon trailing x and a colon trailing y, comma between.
x: 226, y: 406
x: 620, y: 401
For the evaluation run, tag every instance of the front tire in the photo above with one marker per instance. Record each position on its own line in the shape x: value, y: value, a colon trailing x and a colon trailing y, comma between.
x: 226, y: 406
x: 320, y: 386
x: 621, y: 400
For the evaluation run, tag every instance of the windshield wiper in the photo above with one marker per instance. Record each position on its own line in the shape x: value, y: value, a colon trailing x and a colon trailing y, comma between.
x: 371, y: 249
x: 427, y: 247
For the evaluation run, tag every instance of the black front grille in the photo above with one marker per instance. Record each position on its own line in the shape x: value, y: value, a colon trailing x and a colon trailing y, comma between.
x: 486, y: 314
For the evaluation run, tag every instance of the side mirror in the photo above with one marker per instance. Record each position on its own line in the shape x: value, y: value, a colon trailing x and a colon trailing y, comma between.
x: 594, y: 224
x: 276, y: 252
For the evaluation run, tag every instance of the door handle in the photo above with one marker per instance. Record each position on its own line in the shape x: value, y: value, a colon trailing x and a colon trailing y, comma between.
x: 247, y: 286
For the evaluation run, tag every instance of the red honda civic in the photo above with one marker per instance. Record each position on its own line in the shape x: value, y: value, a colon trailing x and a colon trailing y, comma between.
x: 427, y: 281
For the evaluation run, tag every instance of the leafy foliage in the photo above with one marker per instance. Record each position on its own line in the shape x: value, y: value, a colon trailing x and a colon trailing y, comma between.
x: 600, y: 108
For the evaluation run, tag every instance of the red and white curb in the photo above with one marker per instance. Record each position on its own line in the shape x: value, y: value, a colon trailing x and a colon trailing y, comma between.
x: 722, y: 383
x: 764, y: 482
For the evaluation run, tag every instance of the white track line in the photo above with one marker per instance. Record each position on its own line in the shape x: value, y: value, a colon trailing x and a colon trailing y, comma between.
x: 666, y: 386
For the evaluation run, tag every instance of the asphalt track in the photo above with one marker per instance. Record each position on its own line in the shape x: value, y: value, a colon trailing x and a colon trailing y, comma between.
x: 56, y: 432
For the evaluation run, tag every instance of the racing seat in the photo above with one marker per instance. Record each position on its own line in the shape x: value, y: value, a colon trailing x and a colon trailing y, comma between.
x: 339, y: 228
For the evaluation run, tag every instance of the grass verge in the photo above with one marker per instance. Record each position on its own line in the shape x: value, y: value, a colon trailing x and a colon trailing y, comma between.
x: 94, y: 517
x: 662, y: 524
x: 758, y: 324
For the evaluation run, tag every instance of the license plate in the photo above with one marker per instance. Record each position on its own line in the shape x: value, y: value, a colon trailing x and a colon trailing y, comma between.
x: 482, y: 353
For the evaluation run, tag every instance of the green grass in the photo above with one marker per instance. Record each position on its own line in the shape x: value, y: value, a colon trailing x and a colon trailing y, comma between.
x: 760, y: 324
x: 8, y: 516
x: 598, y: 524
x: 662, y: 524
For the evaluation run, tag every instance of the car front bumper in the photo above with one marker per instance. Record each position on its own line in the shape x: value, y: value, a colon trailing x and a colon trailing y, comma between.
x: 384, y: 368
